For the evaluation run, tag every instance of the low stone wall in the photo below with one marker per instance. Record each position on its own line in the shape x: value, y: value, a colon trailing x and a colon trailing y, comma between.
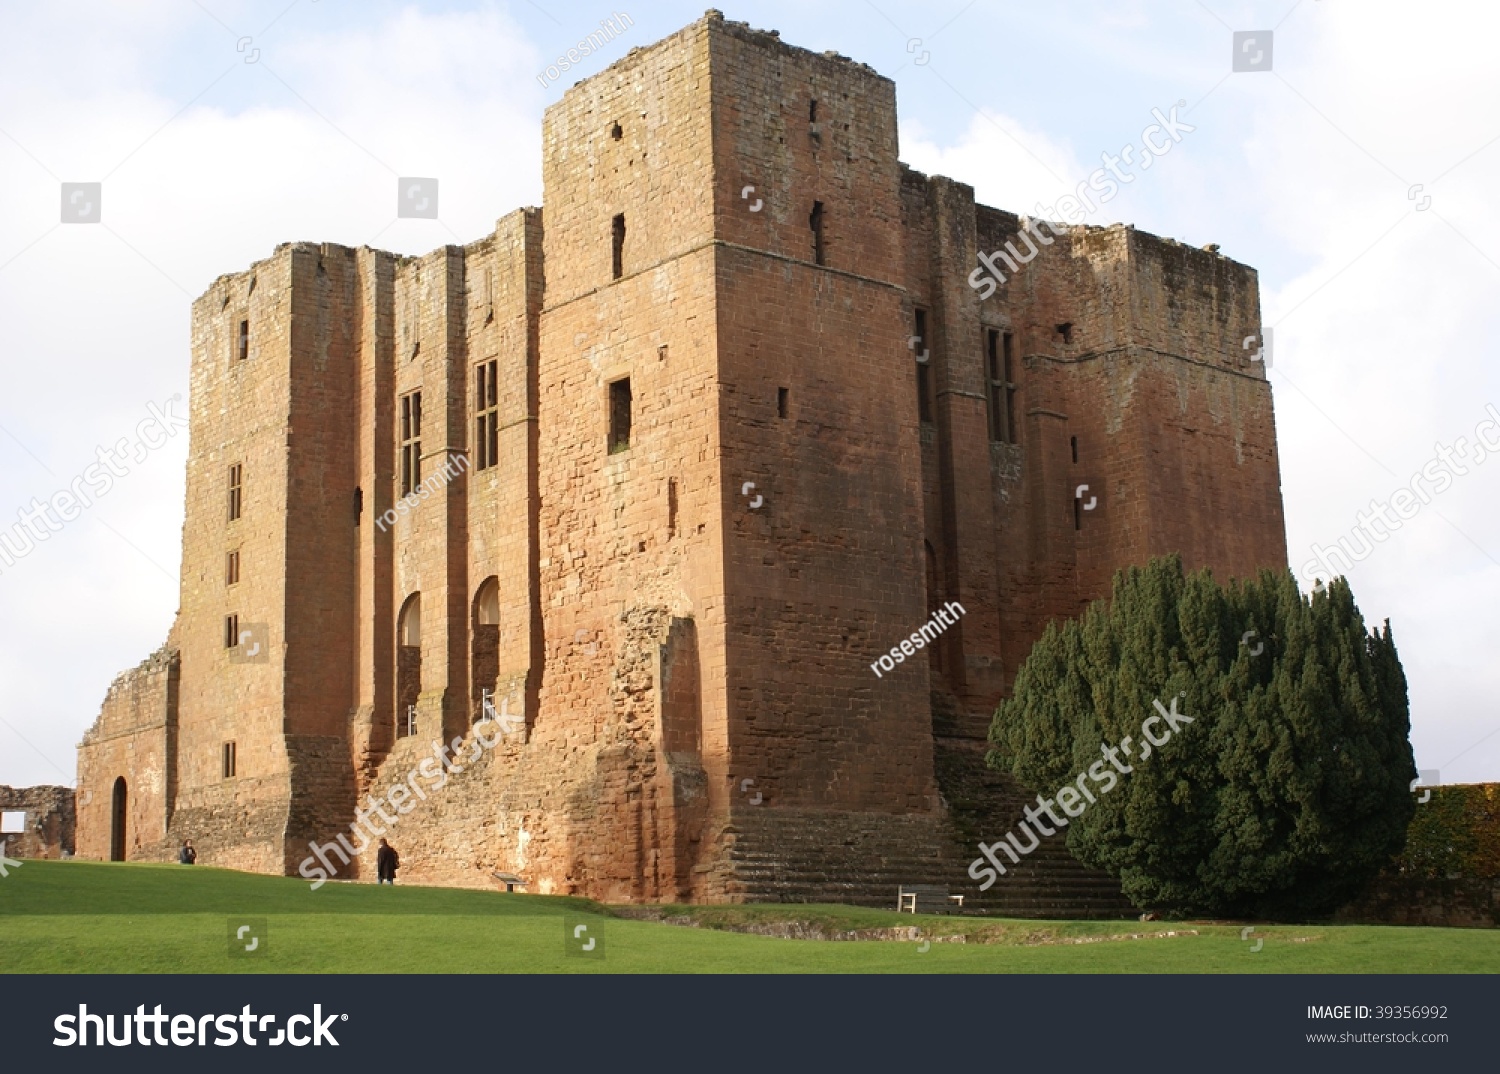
x: 48, y: 824
x: 1395, y: 900
x: 1449, y: 871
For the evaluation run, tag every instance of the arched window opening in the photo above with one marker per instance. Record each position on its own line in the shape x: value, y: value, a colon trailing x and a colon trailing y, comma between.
x: 408, y: 665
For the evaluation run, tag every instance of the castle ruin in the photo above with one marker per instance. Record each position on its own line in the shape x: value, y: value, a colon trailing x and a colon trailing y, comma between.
x: 660, y: 473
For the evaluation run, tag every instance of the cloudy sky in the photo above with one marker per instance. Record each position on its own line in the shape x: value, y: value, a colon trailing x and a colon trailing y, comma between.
x: 1351, y: 174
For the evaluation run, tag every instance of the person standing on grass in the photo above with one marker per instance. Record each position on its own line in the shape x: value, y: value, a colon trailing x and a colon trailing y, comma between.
x: 187, y: 855
x: 387, y: 861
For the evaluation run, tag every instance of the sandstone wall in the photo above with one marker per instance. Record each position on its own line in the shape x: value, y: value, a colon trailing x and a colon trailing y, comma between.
x: 630, y: 538
x: 826, y: 574
x: 240, y: 411
x: 47, y: 823
x: 129, y: 756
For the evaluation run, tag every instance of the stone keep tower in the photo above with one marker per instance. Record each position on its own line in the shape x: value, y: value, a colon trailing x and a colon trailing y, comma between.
x: 677, y: 468
x: 754, y: 337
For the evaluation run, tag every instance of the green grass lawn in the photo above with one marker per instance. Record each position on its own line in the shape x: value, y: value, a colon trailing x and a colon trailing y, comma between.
x: 87, y: 917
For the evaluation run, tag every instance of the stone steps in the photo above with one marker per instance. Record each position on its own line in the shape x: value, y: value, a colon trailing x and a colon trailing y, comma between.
x: 789, y: 855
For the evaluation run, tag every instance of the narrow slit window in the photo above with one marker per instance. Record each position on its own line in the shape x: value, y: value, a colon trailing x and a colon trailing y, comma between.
x: 782, y: 398
x: 1074, y: 441
x: 619, y: 415
x: 232, y: 568
x: 671, y: 508
x: 1000, y: 393
x: 236, y: 474
x: 411, y: 442
x: 242, y: 344
x: 1006, y: 347
x: 231, y: 631
x: 617, y: 235
x: 230, y: 751
x: 995, y: 385
x: 812, y: 111
x: 486, y: 414
x: 924, y: 369
x: 815, y: 222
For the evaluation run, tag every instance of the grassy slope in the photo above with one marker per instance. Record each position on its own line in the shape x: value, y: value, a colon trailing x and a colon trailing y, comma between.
x: 65, y: 917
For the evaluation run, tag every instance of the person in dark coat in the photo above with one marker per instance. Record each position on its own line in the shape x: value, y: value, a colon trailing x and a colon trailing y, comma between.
x: 387, y: 861
x: 187, y: 855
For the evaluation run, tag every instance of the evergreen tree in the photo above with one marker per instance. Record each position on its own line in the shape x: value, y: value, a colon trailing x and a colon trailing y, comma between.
x: 1287, y: 792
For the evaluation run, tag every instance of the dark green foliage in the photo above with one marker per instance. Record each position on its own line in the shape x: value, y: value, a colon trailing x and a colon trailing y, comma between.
x: 1288, y: 792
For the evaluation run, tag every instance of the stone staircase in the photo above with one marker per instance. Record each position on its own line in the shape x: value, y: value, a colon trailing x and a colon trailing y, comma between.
x: 791, y: 855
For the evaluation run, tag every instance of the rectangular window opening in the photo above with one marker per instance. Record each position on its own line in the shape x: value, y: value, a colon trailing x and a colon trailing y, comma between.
x: 231, y: 631
x: 618, y: 236
x: 1066, y: 331
x: 782, y: 397
x: 1000, y: 390
x: 619, y: 415
x: 671, y: 508
x: 994, y: 385
x: 410, y: 463
x: 13, y: 822
x: 232, y: 568
x: 919, y: 348
x: 815, y: 221
x: 236, y: 475
x: 1010, y: 388
x: 486, y: 414
x: 242, y: 346
x: 230, y: 751
x: 1074, y: 440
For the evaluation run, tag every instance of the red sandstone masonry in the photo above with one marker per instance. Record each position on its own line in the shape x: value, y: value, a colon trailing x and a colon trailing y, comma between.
x: 49, y: 820
x: 693, y: 672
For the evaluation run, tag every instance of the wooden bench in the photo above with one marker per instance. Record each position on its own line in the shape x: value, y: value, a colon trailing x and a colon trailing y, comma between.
x: 925, y: 899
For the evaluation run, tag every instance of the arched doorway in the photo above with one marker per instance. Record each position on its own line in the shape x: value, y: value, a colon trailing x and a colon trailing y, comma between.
x: 117, y: 815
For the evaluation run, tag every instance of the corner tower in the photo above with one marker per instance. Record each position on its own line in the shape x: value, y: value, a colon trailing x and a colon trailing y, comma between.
x: 731, y: 521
